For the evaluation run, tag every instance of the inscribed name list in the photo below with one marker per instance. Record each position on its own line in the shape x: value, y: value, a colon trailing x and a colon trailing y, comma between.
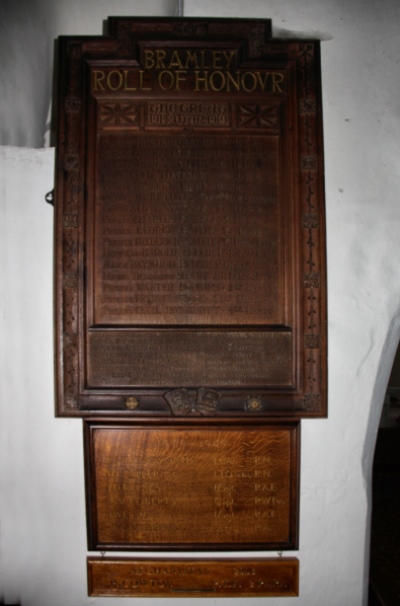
x: 194, y: 486
x: 187, y: 226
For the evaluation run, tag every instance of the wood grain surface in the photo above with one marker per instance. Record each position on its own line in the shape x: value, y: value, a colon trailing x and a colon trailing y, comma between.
x: 214, y: 487
x: 135, y: 577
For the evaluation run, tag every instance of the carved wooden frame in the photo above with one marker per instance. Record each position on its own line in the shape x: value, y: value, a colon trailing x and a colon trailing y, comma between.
x: 299, y: 60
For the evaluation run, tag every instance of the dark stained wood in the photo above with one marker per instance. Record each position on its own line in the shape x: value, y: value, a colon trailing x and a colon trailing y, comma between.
x: 133, y: 577
x: 190, y: 234
x: 185, y: 486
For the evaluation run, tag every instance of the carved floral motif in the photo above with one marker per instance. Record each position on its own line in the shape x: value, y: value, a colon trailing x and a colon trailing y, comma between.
x: 73, y: 104
x: 303, y: 53
x: 309, y: 163
x: 307, y: 106
x: 71, y: 162
x: 70, y: 280
x: 312, y: 281
x: 313, y: 341
x: 311, y: 221
x: 195, y: 30
x: 312, y: 402
x: 70, y: 220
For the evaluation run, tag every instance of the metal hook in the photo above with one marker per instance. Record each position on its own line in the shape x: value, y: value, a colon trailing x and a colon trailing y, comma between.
x: 50, y: 197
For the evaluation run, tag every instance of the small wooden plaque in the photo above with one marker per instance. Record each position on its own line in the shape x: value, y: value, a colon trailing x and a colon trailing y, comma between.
x: 128, y: 577
x: 190, y: 230
x: 187, y: 487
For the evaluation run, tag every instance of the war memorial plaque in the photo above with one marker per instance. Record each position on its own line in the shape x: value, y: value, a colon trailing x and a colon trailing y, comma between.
x: 135, y: 577
x: 190, y: 260
x: 183, y: 486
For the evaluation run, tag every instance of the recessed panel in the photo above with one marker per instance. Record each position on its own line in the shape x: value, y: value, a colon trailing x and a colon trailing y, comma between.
x: 188, y: 226
x: 185, y: 487
x: 189, y: 358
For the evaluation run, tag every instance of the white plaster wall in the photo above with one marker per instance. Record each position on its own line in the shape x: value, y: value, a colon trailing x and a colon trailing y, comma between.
x: 42, y: 524
x: 28, y: 29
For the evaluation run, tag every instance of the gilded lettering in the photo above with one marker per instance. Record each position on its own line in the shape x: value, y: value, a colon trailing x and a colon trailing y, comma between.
x: 188, y: 59
x: 166, y: 80
x: 211, y: 70
x: 225, y: 585
x: 175, y: 61
x: 224, y: 489
x: 160, y: 54
x: 191, y: 58
x: 265, y: 487
x: 263, y: 79
x: 249, y: 87
x: 277, y: 79
x: 217, y: 81
x: 141, y: 82
x: 204, y: 63
x: 126, y: 83
x: 232, y: 473
x: 245, y: 571
x: 269, y: 501
x: 98, y: 77
x: 200, y: 81
x: 270, y: 513
x: 114, y: 83
x: 154, y: 488
x: 157, y: 501
x: 262, y: 460
x: 262, y: 473
x: 217, y: 59
x: 223, y: 502
x: 229, y: 56
x: 234, y: 80
x: 248, y: 82
x: 149, y: 59
x: 179, y: 77
x: 223, y: 460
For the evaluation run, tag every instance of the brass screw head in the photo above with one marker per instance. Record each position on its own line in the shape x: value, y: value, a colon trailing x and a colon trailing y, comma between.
x: 131, y: 403
x: 253, y: 403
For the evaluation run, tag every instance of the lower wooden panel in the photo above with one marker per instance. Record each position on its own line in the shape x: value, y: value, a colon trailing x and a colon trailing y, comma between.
x: 128, y: 577
x: 192, y: 487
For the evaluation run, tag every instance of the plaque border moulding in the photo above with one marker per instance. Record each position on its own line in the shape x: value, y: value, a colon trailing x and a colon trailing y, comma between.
x: 299, y: 60
x: 184, y: 487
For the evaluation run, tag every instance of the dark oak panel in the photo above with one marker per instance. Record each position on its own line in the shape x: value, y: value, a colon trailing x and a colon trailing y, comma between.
x: 129, y: 577
x: 190, y: 230
x: 186, y: 487
x: 194, y: 358
x: 194, y: 236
